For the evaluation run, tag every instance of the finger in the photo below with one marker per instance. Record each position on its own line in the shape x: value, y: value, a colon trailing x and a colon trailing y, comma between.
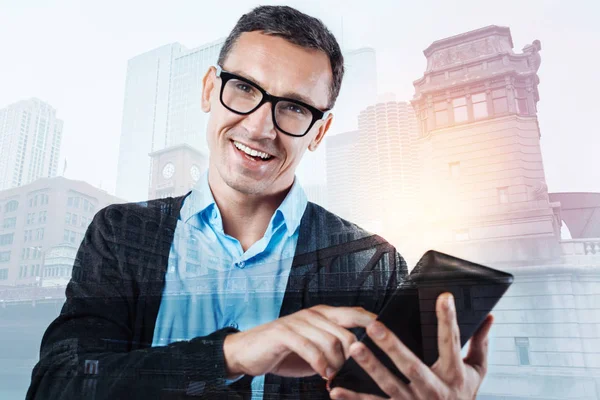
x: 305, y: 349
x: 423, y: 382
x: 340, y: 393
x: 478, y: 348
x: 347, y: 317
x: 390, y: 384
x: 328, y: 344
x: 451, y: 364
x: 345, y: 337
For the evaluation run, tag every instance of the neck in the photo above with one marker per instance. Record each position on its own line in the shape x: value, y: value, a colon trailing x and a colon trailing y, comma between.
x: 245, y: 216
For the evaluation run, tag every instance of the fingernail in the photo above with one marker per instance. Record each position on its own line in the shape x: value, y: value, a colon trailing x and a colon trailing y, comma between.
x: 377, y: 331
x: 329, y: 373
x: 450, y: 302
x: 359, y: 354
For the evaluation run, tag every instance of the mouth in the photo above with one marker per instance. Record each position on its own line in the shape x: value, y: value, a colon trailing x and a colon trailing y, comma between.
x: 252, y: 154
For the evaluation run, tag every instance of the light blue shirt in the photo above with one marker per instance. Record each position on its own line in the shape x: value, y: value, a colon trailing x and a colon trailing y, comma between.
x: 211, y: 283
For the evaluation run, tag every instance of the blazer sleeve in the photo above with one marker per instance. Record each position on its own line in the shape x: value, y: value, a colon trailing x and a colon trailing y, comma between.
x: 89, y: 350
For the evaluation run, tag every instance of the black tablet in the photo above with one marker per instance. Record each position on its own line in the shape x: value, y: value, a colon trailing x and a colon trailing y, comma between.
x: 410, y: 313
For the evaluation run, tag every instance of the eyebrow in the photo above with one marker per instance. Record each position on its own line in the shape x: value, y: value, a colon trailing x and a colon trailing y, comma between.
x: 287, y: 95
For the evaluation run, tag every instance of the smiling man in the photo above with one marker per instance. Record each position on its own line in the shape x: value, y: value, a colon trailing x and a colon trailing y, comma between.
x: 242, y: 288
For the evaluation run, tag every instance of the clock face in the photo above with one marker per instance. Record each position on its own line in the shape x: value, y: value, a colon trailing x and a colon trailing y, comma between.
x: 168, y: 170
x: 195, y: 172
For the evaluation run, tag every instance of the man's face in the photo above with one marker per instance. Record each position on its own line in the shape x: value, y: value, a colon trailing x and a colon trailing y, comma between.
x: 282, y: 69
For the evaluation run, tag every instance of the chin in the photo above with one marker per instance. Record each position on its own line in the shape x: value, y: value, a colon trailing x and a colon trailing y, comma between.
x: 246, y: 185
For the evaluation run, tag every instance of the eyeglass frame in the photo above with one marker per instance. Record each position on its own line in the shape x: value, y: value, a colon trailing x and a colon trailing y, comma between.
x: 268, y: 98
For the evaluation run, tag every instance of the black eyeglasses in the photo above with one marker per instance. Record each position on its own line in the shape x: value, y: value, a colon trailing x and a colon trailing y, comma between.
x: 242, y: 96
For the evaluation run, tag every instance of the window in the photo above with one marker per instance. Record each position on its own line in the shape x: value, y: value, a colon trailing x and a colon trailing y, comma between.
x: 68, y: 218
x: 85, y: 205
x: 76, y: 202
x: 74, y: 219
x: 4, y: 256
x: 11, y: 206
x: 454, y: 169
x: 522, y: 345
x: 39, y: 234
x: 72, y: 237
x: 479, y: 101
x: 70, y: 202
x: 503, y: 195
x: 66, y: 235
x: 84, y: 222
x: 460, y: 109
x: 500, y: 101
x: 441, y: 114
x: 42, y: 217
x: 521, y: 101
x: 7, y: 238
x: 10, y: 222
x: 3, y: 274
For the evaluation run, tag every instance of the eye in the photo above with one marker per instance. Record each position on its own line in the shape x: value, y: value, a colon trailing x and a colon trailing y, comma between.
x: 244, y: 87
x: 296, y: 109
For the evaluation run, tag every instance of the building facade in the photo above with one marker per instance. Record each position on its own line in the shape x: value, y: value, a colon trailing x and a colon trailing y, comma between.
x: 38, y: 217
x: 485, y: 196
x: 480, y: 141
x: 30, y: 141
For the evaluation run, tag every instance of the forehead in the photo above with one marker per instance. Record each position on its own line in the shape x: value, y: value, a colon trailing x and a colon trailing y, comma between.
x: 282, y: 68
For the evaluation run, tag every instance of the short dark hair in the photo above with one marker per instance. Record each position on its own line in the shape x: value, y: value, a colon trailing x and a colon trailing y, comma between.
x: 295, y: 27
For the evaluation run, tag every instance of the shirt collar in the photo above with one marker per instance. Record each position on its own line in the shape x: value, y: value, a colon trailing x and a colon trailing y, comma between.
x: 201, y: 200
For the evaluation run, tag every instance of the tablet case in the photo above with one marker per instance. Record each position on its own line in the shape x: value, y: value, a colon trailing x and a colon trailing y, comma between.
x: 410, y: 313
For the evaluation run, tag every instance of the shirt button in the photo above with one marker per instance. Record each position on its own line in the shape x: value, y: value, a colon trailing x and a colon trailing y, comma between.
x: 241, y: 264
x: 233, y: 325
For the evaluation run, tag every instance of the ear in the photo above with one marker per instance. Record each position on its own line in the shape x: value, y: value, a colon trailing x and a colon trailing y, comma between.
x: 314, y: 144
x: 208, y: 85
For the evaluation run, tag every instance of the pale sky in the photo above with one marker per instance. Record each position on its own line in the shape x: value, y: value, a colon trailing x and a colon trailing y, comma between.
x: 74, y: 55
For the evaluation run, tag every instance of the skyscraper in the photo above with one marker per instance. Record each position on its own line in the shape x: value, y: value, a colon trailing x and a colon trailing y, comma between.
x: 342, y: 173
x: 186, y: 120
x: 359, y: 90
x: 388, y: 168
x: 30, y: 140
x: 144, y: 125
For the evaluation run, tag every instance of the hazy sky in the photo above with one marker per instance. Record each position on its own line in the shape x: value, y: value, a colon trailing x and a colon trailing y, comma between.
x: 74, y: 55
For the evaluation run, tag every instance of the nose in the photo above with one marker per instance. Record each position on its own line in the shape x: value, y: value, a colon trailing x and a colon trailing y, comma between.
x: 259, y: 124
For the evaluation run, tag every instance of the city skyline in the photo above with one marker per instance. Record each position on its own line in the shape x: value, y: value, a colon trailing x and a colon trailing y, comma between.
x: 474, y: 143
x: 91, y: 78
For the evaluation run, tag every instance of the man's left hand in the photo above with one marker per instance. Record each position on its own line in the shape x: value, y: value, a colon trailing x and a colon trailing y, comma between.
x: 451, y: 377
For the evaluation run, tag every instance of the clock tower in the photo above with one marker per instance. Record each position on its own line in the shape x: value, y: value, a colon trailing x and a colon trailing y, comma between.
x: 175, y: 170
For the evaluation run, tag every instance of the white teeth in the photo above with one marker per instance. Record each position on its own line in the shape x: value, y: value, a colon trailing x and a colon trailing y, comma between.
x: 251, y: 152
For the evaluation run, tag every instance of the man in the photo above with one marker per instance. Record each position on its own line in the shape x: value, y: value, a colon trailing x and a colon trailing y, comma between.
x: 154, y: 308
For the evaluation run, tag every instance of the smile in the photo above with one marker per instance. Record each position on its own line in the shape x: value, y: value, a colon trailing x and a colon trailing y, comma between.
x: 252, y: 152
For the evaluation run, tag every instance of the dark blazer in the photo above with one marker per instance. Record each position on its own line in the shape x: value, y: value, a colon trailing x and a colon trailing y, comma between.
x: 99, y: 347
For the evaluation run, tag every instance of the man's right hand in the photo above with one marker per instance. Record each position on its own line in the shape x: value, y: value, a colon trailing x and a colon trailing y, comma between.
x: 308, y: 342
